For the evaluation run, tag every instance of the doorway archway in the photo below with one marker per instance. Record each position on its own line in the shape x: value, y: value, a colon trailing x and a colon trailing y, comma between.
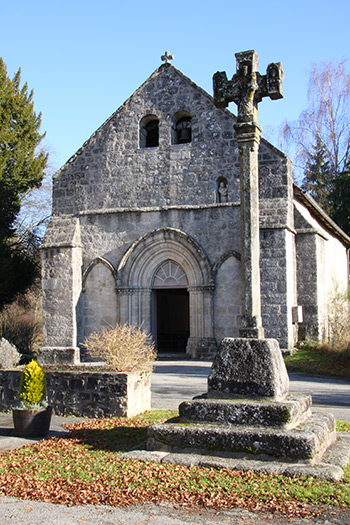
x: 170, y: 308
x: 170, y: 259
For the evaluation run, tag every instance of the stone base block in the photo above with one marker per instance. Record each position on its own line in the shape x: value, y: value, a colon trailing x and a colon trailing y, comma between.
x: 64, y: 355
x: 306, y: 442
x: 248, y: 368
x: 287, y: 414
x: 201, y: 348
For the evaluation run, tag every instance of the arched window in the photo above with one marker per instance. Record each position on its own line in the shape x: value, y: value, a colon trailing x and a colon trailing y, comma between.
x: 149, y: 132
x: 169, y: 274
x: 181, y: 132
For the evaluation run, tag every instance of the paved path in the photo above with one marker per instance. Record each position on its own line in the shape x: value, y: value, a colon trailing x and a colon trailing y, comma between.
x: 176, y: 381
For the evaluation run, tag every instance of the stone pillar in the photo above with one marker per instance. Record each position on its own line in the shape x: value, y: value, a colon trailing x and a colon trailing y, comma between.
x: 201, y: 343
x: 248, y: 137
x: 61, y: 282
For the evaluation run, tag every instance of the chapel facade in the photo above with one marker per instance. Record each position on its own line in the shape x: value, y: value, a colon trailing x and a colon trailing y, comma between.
x: 146, y: 230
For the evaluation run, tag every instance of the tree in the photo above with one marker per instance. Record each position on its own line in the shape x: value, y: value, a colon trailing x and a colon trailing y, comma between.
x: 318, y: 180
x: 341, y: 199
x: 21, y: 169
x: 322, y: 133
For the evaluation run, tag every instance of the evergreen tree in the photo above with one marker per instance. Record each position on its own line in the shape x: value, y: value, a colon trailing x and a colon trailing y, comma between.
x: 341, y: 199
x: 21, y: 169
x: 318, y: 177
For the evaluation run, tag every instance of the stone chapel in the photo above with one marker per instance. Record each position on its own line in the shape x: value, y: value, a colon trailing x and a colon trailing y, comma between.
x: 146, y: 230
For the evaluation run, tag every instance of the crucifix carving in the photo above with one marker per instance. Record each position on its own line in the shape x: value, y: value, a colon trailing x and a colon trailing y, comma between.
x: 247, y: 88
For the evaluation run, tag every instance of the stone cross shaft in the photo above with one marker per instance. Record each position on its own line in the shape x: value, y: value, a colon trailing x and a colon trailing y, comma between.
x: 246, y: 89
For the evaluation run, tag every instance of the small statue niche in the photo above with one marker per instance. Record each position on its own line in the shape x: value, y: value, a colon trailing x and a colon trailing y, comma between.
x: 222, y: 190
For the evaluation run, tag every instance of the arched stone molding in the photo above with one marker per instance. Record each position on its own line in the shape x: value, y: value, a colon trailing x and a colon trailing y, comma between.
x: 135, y: 278
x: 220, y: 261
x: 92, y: 264
x: 227, y: 273
x: 99, y: 297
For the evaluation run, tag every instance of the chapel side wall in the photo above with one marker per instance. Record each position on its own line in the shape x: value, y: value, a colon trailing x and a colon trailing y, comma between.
x: 307, y: 271
x: 322, y: 269
x: 332, y: 281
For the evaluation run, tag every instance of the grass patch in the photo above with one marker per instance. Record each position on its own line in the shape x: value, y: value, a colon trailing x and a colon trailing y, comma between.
x: 320, y: 360
x: 87, y: 468
x: 343, y: 426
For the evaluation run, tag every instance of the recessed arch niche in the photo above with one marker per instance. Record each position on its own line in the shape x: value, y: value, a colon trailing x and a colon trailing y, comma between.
x: 99, y: 296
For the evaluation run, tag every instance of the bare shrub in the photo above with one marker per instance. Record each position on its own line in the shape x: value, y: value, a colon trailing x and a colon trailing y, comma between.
x: 124, y: 348
x: 339, y: 319
x: 21, y: 322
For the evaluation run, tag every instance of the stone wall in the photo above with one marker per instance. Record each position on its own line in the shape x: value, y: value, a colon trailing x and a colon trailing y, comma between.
x: 114, y: 192
x: 87, y: 394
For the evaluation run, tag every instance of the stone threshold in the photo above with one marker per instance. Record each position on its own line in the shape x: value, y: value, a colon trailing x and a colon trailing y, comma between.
x: 330, y: 468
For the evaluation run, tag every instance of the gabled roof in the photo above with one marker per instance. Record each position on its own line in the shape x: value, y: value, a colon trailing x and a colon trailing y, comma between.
x: 158, y: 71
x: 318, y: 213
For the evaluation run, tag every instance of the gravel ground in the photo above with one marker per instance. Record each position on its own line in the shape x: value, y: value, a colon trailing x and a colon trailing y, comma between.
x: 31, y: 512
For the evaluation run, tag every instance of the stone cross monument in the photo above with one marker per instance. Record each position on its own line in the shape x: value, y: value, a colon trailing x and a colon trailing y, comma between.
x: 249, y: 365
x: 247, y: 408
x: 246, y: 89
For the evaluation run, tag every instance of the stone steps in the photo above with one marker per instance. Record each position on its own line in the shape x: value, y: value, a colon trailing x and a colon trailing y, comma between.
x: 308, y: 441
x: 289, y: 413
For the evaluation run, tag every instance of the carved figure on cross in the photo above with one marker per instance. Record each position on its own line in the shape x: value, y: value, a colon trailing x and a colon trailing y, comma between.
x: 247, y: 87
x: 167, y: 57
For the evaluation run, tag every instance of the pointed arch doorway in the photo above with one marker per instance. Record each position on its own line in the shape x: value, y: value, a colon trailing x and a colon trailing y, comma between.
x: 170, y: 308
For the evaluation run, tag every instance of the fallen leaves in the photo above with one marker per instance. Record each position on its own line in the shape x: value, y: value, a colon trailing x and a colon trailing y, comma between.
x: 84, y: 469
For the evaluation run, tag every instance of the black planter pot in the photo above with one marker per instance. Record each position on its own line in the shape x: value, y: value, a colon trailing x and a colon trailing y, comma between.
x: 31, y: 423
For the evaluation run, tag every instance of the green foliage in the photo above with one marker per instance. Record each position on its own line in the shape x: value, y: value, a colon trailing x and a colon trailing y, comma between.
x: 343, y: 426
x: 321, y: 139
x: 318, y: 179
x: 32, y: 390
x: 321, y: 359
x: 21, y: 169
x: 341, y: 199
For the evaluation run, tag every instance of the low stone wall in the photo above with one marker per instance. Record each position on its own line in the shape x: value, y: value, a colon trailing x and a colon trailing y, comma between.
x: 90, y: 394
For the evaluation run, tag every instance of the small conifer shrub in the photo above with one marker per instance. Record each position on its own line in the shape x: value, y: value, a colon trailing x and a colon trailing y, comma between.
x: 32, y: 389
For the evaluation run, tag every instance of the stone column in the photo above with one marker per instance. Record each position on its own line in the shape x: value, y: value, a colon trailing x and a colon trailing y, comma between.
x: 248, y: 137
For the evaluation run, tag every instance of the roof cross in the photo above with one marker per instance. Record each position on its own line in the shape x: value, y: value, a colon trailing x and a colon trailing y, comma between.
x: 167, y: 57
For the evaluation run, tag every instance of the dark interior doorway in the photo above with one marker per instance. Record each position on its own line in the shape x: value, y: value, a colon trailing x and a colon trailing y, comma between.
x: 172, y: 317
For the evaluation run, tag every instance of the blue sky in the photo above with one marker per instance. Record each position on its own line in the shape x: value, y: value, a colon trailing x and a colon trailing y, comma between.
x: 83, y: 59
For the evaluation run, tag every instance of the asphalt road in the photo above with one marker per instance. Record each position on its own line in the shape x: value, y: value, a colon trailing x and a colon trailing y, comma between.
x: 176, y: 381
